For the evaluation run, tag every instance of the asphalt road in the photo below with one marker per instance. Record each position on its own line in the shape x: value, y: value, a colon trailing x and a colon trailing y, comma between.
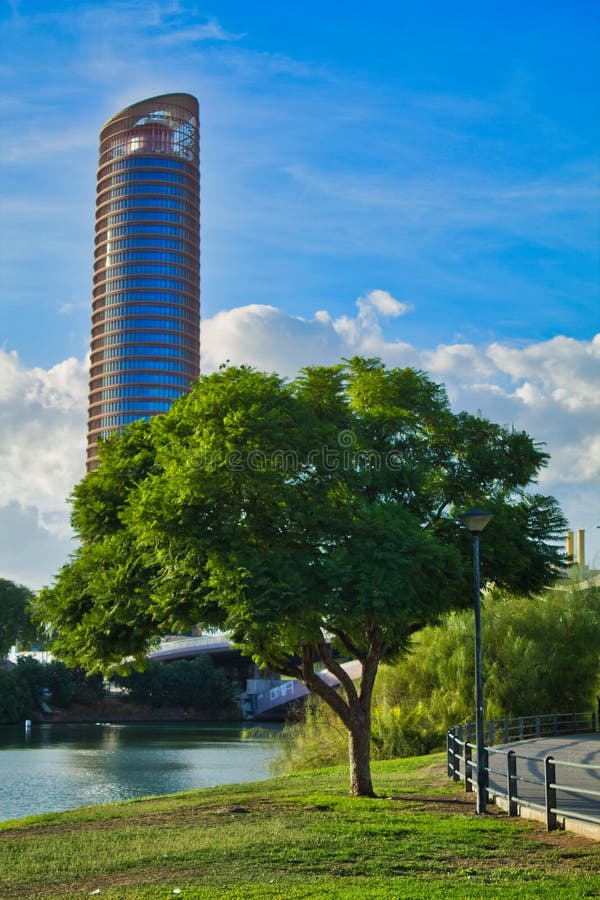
x: 569, y: 753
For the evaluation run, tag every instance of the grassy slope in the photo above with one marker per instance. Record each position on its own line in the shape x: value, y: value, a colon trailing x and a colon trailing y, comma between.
x: 297, y: 837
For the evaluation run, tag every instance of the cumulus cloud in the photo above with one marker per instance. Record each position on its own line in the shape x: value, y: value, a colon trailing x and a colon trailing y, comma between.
x: 548, y: 389
x: 42, y: 444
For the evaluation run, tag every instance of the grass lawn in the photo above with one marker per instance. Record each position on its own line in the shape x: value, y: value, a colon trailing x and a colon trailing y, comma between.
x: 297, y: 837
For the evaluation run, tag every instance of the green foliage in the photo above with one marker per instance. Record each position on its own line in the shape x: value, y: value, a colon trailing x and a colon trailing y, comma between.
x: 53, y: 677
x: 315, y: 740
x: 15, y: 699
x: 284, y: 512
x: 30, y: 681
x: 399, y: 732
x: 188, y: 683
x: 16, y: 626
x: 540, y: 655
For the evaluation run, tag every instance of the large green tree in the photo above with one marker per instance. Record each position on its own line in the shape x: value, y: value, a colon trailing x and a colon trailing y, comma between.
x: 16, y: 626
x: 304, y: 517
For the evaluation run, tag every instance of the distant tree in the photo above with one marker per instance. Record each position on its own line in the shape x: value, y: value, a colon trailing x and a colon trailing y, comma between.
x: 189, y: 683
x: 15, y: 700
x: 541, y: 655
x: 16, y: 626
x: 302, y: 517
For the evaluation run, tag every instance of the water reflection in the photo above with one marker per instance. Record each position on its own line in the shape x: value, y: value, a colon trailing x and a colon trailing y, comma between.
x: 57, y: 767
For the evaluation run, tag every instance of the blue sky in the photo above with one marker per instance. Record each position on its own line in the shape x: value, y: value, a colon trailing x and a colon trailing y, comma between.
x: 417, y: 181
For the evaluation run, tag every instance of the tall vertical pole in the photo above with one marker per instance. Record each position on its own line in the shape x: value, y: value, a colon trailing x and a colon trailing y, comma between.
x: 481, y: 777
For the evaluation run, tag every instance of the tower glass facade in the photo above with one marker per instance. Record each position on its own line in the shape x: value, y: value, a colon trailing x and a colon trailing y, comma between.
x: 146, y: 298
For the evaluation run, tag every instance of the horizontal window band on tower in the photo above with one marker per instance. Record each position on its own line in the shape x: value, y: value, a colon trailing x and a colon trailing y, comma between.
x: 144, y: 242
x: 188, y: 299
x: 149, y: 215
x: 143, y: 203
x: 133, y: 406
x: 135, y: 337
x: 133, y: 365
x: 135, y: 268
x: 112, y: 421
x: 123, y: 284
x: 172, y: 255
x: 129, y: 323
x: 129, y: 310
x: 145, y: 189
x: 141, y: 350
x: 143, y: 176
x: 147, y: 162
x: 143, y: 378
x: 165, y: 231
x: 141, y: 391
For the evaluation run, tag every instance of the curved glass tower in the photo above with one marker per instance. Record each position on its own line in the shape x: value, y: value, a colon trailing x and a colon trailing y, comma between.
x: 146, y: 302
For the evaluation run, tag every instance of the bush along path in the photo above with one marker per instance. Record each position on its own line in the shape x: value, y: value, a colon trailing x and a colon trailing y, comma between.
x: 297, y: 837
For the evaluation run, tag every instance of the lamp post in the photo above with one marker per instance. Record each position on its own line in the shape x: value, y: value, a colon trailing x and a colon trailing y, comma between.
x: 475, y: 521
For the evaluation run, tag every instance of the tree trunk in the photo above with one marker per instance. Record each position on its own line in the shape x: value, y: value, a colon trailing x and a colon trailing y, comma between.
x: 359, y: 752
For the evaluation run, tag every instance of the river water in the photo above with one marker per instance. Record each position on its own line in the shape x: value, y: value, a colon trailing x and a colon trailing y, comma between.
x: 56, y: 767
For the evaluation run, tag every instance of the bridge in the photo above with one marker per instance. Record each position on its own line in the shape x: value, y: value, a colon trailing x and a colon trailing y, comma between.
x: 264, y: 697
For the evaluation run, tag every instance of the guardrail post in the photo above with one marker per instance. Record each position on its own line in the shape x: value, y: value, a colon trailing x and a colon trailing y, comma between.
x: 593, y: 721
x: 458, y: 748
x: 468, y: 760
x: 521, y: 728
x: 491, y: 733
x: 486, y: 773
x: 511, y: 782
x: 450, y: 752
x: 554, y: 725
x: 506, y: 731
x: 538, y: 726
x: 550, y: 782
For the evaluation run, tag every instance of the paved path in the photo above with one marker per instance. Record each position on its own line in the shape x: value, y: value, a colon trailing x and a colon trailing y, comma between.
x: 577, y: 749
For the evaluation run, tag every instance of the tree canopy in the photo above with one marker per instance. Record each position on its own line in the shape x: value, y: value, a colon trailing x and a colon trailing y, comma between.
x: 16, y: 626
x: 305, y: 517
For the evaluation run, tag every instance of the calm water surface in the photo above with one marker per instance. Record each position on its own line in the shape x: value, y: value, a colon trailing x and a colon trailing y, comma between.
x: 58, y: 767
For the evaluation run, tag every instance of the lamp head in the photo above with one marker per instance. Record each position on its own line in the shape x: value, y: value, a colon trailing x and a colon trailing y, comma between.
x: 475, y: 520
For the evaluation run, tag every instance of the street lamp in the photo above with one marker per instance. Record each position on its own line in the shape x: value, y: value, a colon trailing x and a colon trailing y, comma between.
x: 475, y: 521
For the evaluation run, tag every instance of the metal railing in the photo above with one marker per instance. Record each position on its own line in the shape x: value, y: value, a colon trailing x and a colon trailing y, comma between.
x: 555, y: 789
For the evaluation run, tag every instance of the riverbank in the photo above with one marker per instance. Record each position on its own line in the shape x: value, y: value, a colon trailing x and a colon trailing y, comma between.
x: 297, y: 837
x: 116, y: 710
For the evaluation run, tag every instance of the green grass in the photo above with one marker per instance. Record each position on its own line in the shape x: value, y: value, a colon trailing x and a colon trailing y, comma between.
x: 297, y: 837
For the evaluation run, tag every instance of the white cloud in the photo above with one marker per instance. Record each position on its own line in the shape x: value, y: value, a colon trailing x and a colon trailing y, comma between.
x: 547, y: 389
x: 209, y: 31
x: 42, y: 438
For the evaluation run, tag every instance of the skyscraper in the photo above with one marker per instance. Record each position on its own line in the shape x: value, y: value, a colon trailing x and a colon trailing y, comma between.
x: 146, y: 298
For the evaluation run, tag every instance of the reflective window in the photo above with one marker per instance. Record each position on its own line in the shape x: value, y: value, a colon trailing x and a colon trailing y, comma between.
x: 171, y: 255
x: 145, y: 378
x: 166, y: 242
x: 148, y: 162
x: 153, y: 202
x: 140, y: 176
x: 181, y: 296
x: 132, y: 405
x: 116, y: 218
x: 129, y: 322
x: 150, y: 309
x: 164, y: 230
x: 130, y: 190
x: 146, y: 350
x: 146, y: 269
x: 134, y: 337
x: 171, y: 393
x: 122, y: 284
x: 131, y: 365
